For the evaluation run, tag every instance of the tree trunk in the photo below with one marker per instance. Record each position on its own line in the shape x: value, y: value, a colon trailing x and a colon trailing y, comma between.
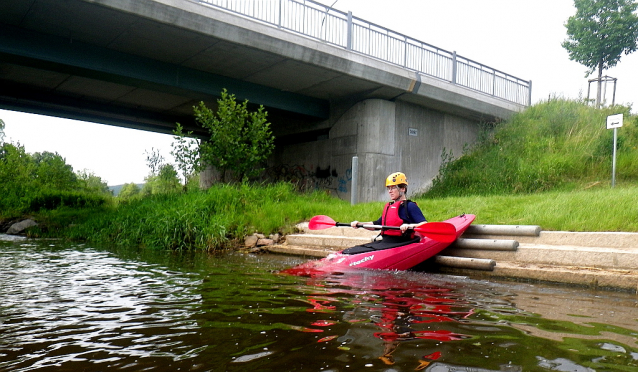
x: 600, y: 83
x: 209, y: 176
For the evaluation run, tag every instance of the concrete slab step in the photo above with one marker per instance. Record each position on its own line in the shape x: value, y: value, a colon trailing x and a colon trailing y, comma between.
x: 616, y: 250
x: 303, y: 251
x: 588, y: 257
x: 331, y: 242
x: 583, y: 276
x: 593, y: 259
x: 560, y: 255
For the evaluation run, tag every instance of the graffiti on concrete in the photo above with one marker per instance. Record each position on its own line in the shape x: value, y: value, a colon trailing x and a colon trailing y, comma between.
x: 309, y: 178
x: 344, y: 180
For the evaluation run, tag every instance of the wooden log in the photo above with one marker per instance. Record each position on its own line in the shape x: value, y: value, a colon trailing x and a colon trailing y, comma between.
x: 486, y: 244
x: 466, y: 262
x: 514, y: 230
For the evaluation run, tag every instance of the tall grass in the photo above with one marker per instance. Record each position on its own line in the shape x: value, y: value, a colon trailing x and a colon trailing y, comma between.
x: 203, y: 219
x: 554, y: 145
x: 223, y: 215
x: 593, y: 209
x: 548, y: 166
x: 596, y: 209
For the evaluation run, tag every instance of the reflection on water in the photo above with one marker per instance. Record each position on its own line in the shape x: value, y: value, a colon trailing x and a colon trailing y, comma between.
x: 72, y: 307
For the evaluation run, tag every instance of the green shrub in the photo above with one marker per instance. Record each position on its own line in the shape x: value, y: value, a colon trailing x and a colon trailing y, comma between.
x: 52, y: 199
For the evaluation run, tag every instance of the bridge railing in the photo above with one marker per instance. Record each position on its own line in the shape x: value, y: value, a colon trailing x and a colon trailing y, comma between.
x: 333, y: 26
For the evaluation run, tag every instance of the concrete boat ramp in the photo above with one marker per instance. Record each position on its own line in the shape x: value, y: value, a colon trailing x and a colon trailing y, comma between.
x: 607, y: 260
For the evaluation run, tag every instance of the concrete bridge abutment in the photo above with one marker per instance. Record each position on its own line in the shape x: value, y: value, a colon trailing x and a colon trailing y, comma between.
x: 386, y: 136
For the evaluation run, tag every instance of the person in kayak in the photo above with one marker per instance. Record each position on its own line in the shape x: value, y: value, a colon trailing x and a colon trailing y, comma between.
x: 400, y: 212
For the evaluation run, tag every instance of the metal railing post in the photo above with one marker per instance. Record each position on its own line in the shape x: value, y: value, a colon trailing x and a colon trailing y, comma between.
x: 529, y: 98
x: 324, y: 20
x: 279, y: 22
x: 354, y: 189
x: 349, y: 33
x: 454, y: 67
x: 405, y: 52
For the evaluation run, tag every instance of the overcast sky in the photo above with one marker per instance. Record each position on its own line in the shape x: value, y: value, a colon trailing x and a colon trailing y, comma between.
x: 519, y: 37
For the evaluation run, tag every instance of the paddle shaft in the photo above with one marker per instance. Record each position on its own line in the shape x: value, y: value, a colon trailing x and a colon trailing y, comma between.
x: 375, y: 227
x: 439, y: 231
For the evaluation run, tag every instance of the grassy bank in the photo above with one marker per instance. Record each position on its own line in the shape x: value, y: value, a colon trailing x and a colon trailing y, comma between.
x: 221, y: 216
x: 549, y: 165
x: 600, y: 209
x: 202, y: 219
x: 558, y: 145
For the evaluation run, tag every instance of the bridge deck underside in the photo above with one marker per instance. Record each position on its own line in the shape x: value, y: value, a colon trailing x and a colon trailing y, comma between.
x: 144, y: 64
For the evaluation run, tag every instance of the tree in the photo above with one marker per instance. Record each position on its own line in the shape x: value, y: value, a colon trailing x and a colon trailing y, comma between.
x: 185, y: 151
x: 16, y: 176
x: 52, y: 171
x: 154, y: 160
x: 598, y: 34
x: 163, y: 177
x: 1, y: 132
x: 92, y: 183
x: 128, y: 191
x: 166, y: 181
x: 240, y: 140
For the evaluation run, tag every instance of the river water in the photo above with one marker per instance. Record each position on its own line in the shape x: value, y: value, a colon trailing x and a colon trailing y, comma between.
x: 74, y: 307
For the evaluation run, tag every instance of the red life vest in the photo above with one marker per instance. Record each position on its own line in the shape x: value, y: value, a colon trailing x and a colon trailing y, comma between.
x: 391, y: 217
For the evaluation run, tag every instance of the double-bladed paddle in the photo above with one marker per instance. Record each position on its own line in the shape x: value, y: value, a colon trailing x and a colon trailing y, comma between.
x: 440, y: 231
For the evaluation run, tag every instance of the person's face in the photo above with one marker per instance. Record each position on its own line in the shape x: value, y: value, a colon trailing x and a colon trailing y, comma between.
x: 394, y: 191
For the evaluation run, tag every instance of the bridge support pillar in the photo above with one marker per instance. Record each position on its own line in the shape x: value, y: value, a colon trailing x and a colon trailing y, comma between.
x: 386, y: 136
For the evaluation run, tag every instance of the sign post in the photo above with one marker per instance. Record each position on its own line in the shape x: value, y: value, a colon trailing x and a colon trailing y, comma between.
x: 614, y: 122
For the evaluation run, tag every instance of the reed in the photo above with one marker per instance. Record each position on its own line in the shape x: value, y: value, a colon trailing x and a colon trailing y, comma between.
x: 210, y: 219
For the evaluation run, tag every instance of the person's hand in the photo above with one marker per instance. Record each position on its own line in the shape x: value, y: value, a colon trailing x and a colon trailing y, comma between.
x: 406, y: 226
x: 354, y: 224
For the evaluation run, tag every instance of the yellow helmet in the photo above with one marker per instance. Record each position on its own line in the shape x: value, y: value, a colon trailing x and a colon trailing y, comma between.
x: 396, y: 178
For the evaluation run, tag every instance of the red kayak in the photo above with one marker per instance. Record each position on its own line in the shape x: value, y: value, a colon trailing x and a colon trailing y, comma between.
x: 399, y: 258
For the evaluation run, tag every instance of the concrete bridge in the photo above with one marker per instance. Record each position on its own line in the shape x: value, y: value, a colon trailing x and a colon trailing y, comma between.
x: 335, y: 86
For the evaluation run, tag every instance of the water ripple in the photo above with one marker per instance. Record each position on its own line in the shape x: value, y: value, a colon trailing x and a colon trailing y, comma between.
x: 64, y: 306
x: 73, y: 307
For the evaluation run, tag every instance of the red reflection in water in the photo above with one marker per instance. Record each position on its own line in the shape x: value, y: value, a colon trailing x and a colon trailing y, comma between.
x: 403, y: 309
x: 324, y: 323
x: 320, y: 305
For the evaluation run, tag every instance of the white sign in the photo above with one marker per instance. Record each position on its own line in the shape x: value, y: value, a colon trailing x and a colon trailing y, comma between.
x: 413, y: 132
x: 614, y: 121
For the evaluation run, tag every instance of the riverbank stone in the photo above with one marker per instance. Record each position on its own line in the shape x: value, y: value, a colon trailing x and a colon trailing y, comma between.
x: 259, y: 240
x: 19, y: 227
x: 250, y: 241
